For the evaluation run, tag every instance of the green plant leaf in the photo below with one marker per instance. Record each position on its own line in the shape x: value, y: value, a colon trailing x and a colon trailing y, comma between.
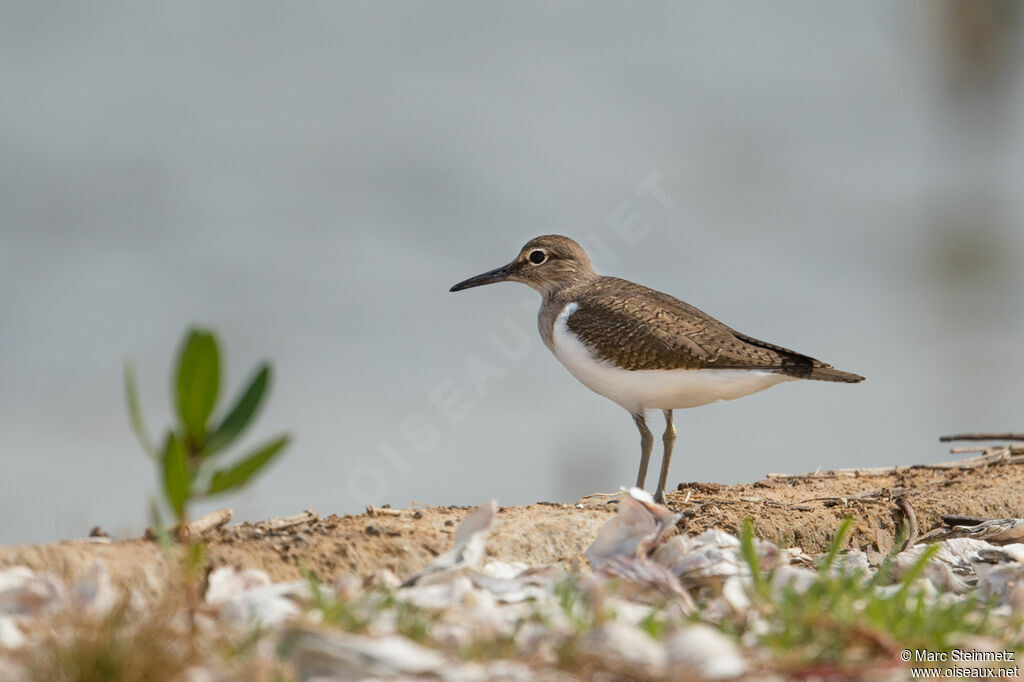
x: 156, y: 523
x: 907, y: 581
x: 131, y: 393
x: 195, y: 560
x: 239, y: 474
x: 837, y: 543
x: 176, y: 478
x: 749, y: 552
x: 241, y: 413
x: 198, y: 380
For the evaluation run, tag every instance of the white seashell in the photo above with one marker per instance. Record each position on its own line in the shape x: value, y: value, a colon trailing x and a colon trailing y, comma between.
x: 706, y: 651
x: 198, y: 673
x: 674, y: 549
x: 645, y: 580
x: 12, y: 672
x: 638, y: 526
x: 736, y: 593
x: 712, y: 556
x: 94, y: 591
x: 512, y: 590
x: 492, y: 671
x: 1015, y: 550
x: 956, y: 563
x: 347, y: 586
x: 628, y: 611
x: 943, y: 576
x: 509, y: 671
x: 617, y: 644
x: 385, y: 579
x: 14, y: 577
x: 694, y: 562
x: 454, y: 636
x: 796, y: 555
x: 793, y: 577
x: 338, y: 655
x: 467, y: 548
x: 1001, y: 581
x: 853, y: 560
x: 38, y: 593
x: 225, y: 582
x: 503, y: 569
x: 437, y: 595
x: 997, y: 531
x: 534, y: 640
x: 268, y: 605
x: 957, y: 553
x: 470, y: 536
x: 469, y: 596
x: 717, y: 538
x: 11, y: 636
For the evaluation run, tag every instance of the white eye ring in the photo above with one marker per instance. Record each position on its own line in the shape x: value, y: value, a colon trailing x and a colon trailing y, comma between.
x: 537, y: 256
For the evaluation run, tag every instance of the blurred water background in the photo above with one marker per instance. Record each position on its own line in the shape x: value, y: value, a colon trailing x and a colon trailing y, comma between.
x: 310, y: 178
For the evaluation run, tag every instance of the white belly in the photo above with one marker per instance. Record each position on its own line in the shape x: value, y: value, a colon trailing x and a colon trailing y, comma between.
x: 665, y: 389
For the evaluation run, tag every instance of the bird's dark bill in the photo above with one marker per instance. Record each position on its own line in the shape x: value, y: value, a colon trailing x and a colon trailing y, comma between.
x: 490, y: 277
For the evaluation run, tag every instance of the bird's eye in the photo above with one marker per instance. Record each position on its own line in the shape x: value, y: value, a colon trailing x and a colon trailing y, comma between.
x: 537, y: 257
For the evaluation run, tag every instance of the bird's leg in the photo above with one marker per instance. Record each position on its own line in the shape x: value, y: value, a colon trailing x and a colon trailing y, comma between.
x: 646, y: 445
x: 669, y: 439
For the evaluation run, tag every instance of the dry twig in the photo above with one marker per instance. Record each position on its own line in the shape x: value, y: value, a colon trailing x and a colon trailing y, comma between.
x: 282, y: 522
x: 208, y: 523
x: 981, y: 436
x: 998, y: 455
x: 908, y: 513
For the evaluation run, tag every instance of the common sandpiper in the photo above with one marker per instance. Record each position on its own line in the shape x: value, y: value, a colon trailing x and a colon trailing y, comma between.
x: 641, y: 348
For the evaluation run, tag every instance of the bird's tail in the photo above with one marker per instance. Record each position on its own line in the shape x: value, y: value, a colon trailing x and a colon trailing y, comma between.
x: 829, y: 373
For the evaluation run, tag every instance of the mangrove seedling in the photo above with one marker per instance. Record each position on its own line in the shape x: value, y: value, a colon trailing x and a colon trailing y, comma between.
x: 190, y: 454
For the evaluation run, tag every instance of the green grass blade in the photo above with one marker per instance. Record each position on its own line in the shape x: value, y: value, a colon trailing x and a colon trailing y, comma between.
x: 198, y: 381
x: 176, y: 477
x: 241, y: 413
x: 749, y: 552
x: 239, y: 474
x: 156, y: 522
x: 131, y: 393
x: 837, y: 543
x: 899, y: 544
x: 915, y: 571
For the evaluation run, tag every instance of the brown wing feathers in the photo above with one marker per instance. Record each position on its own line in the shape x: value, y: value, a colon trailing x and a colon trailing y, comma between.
x: 639, y: 328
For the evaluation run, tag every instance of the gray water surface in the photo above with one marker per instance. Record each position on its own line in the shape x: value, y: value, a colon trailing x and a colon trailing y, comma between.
x: 309, y: 179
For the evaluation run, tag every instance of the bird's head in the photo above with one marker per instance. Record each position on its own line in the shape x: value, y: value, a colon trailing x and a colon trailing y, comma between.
x: 547, y: 264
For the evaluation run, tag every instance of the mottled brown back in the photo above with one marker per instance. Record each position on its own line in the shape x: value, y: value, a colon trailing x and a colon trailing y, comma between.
x: 640, y: 328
